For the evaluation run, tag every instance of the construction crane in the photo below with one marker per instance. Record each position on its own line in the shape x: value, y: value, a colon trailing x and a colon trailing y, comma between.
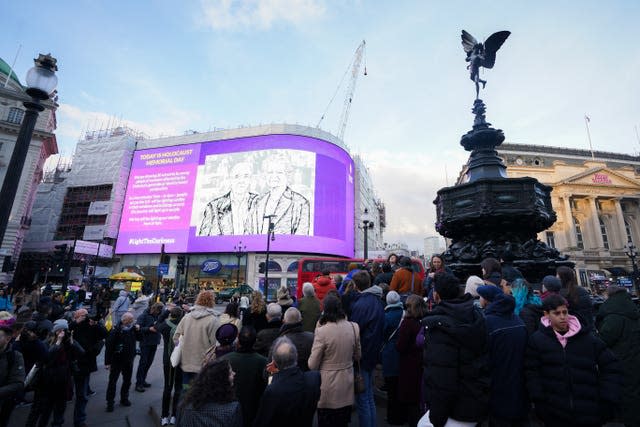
x: 354, y: 67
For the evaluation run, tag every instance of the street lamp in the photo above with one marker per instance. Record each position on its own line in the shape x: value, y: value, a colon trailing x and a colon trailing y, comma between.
x: 367, y: 223
x: 240, y: 251
x: 41, y: 82
x: 632, y: 253
x: 270, y: 236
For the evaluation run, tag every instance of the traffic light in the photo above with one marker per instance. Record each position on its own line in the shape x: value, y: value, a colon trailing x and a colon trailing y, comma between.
x: 60, y: 257
x: 180, y: 263
x: 261, y: 267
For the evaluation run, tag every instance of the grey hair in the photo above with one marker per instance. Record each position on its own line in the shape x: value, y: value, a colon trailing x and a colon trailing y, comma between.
x: 274, y: 310
x: 308, y: 290
x: 292, y: 315
x: 284, y: 353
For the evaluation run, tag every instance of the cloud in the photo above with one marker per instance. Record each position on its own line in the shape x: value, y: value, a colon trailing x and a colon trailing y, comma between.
x: 261, y: 14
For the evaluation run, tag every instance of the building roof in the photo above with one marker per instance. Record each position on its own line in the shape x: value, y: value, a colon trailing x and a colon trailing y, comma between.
x: 5, y: 69
x: 559, y: 151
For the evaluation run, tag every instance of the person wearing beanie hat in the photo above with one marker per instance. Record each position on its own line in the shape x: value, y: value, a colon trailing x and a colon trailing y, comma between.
x: 284, y: 299
x: 393, y: 298
x: 551, y: 284
x: 393, y: 313
x: 59, y: 325
x: 488, y: 294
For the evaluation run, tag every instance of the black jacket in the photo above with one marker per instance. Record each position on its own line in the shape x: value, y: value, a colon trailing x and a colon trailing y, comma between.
x: 302, y: 340
x: 120, y: 346
x: 147, y: 337
x: 291, y: 398
x: 455, y: 362
x: 575, y: 385
x: 89, y: 337
x: 11, y: 373
x: 581, y: 306
x: 530, y: 315
x: 266, y: 337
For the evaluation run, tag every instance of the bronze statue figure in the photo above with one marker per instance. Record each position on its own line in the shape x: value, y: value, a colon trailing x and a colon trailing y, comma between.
x: 482, y: 55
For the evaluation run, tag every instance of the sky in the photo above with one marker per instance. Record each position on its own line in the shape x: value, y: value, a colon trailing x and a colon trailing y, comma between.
x: 167, y: 67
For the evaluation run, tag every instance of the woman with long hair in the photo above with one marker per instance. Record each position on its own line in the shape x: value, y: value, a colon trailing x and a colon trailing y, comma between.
x: 211, y: 400
x: 580, y: 304
x: 256, y: 316
x: 492, y: 274
x: 231, y: 315
x: 436, y: 265
x: 336, y: 345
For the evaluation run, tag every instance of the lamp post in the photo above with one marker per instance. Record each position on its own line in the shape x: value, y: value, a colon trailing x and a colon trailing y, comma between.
x: 367, y: 223
x: 240, y: 251
x: 41, y: 82
x: 632, y: 253
x: 270, y: 236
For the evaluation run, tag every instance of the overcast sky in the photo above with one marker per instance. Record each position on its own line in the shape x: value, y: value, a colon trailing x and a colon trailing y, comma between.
x: 165, y: 67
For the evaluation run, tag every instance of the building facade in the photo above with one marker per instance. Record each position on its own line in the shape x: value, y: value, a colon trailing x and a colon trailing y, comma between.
x: 596, y: 196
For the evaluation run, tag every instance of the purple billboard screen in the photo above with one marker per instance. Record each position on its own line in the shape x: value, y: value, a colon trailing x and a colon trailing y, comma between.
x: 205, y: 197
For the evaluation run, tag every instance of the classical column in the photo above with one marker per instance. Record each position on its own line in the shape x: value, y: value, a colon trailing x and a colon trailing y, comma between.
x: 595, y: 224
x: 622, y: 231
x: 569, y: 230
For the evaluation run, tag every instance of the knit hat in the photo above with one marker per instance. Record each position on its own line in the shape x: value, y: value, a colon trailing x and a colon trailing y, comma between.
x: 283, y: 296
x: 393, y: 297
x: 60, y: 324
x: 551, y: 283
x: 489, y: 292
x: 227, y: 333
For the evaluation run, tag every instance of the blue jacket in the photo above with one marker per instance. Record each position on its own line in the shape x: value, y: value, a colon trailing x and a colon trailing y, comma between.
x: 507, y: 347
x: 367, y: 311
x: 390, y: 356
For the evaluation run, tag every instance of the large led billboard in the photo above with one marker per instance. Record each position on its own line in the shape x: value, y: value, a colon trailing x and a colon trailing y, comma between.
x: 206, y: 197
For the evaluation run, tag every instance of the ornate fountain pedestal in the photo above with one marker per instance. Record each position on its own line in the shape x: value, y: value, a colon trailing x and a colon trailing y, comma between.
x: 491, y: 215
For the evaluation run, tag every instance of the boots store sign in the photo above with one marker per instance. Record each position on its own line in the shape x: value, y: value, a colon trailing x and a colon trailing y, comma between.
x: 211, y: 266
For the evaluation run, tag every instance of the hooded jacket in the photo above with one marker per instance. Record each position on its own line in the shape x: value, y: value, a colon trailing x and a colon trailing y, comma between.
x: 455, y: 362
x: 120, y: 306
x: 197, y: 333
x: 367, y: 311
x: 322, y: 285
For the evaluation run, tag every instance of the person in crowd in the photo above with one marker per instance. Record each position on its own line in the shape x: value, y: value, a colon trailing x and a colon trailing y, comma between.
x: 250, y: 381
x: 197, y: 333
x: 243, y: 307
x: 140, y: 305
x: 510, y: 273
x: 82, y: 295
x: 284, y: 298
x: 337, y: 280
x: 352, y: 268
x: 19, y: 299
x: 572, y: 377
x: 410, y: 373
x: 577, y: 297
x: 120, y: 306
x: 367, y: 311
x: 455, y: 357
x: 71, y: 301
x: 336, y: 345
x: 618, y: 323
x: 471, y: 288
x: 532, y: 312
x: 257, y: 314
x: 231, y: 315
x: 508, y: 403
x: 322, y: 284
x: 524, y: 295
x: 406, y: 281
x: 492, y: 274
x: 57, y: 307
x: 267, y: 335
x: 392, y: 259
x: 310, y: 307
x: 436, y: 265
x: 41, y: 317
x: 211, y: 400
x: 33, y: 350
x: 34, y: 297
x: 5, y: 301
x: 149, y: 340
x: 349, y: 295
x: 292, y: 396
x: 12, y: 373
x: 56, y: 385
x: 120, y: 350
x: 166, y: 326
x: 303, y: 340
x: 89, y: 335
x: 385, y: 276
x: 103, y: 302
x: 226, y: 336
x: 393, y: 313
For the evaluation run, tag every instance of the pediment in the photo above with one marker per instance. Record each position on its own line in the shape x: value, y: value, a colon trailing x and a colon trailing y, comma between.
x: 601, y: 177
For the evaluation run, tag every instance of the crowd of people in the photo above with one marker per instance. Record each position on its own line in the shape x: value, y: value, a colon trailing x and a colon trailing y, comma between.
x: 445, y: 353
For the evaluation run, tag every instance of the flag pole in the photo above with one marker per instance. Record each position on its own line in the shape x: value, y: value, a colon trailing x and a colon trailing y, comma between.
x: 586, y: 123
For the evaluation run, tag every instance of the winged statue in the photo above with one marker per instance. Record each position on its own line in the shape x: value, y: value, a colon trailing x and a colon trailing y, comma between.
x: 482, y: 54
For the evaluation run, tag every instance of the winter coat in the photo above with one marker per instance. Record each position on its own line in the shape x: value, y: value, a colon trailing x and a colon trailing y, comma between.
x: 507, y: 346
x: 227, y: 318
x: 367, y: 311
x: 88, y: 336
x: 389, y: 354
x: 120, y: 306
x: 581, y: 307
x: 43, y: 325
x: 383, y: 278
x: 619, y: 326
x: 410, y: 378
x: 406, y: 281
x: 211, y: 414
x: 139, y: 306
x: 531, y: 315
x: 12, y: 373
x: 147, y: 337
x: 575, y: 385
x: 197, y: 334
x: 302, y: 339
x: 335, y: 346
x: 33, y: 351
x: 5, y: 304
x: 257, y: 320
x: 455, y: 358
x: 120, y: 345
x: 267, y: 336
x: 322, y: 285
x: 249, y: 381
x: 165, y: 328
x: 310, y: 309
x: 59, y: 365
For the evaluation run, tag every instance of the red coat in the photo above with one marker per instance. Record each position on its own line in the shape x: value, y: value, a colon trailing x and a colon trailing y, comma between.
x: 322, y: 286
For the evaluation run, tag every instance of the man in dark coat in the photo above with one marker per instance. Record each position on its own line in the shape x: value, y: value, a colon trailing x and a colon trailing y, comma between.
x: 267, y: 336
x: 89, y: 335
x: 572, y: 377
x: 508, y: 403
x: 368, y: 312
x: 292, y: 329
x: 293, y: 395
x: 249, y: 368
x: 11, y: 375
x: 120, y: 350
x: 150, y: 338
x: 455, y: 357
x: 619, y: 326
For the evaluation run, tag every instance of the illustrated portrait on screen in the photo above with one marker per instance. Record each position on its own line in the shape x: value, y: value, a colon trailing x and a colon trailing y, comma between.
x: 290, y: 209
x: 229, y: 214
